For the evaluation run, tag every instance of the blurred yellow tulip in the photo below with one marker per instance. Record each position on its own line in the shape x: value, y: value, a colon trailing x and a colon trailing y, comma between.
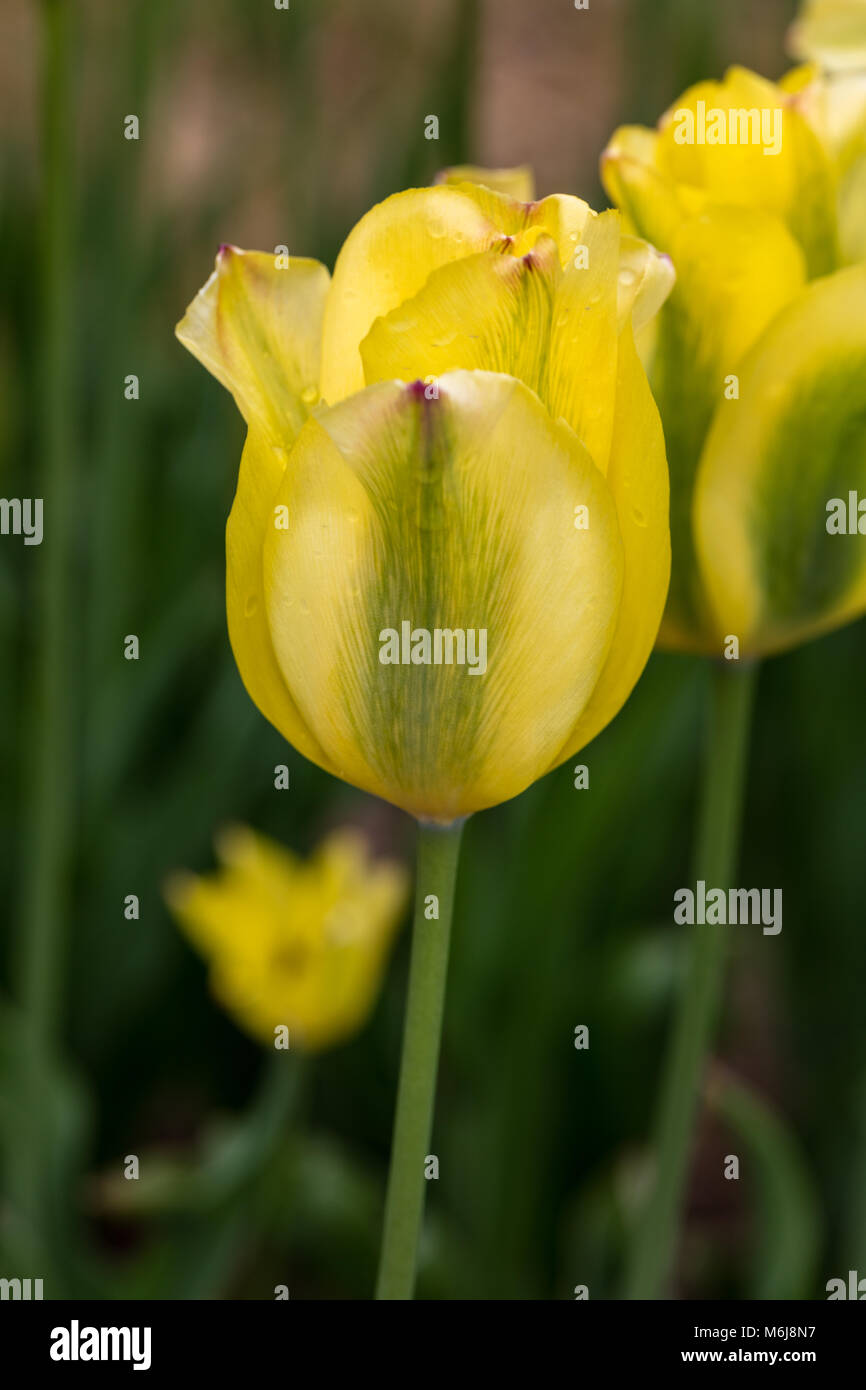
x: 451, y: 441
x: 758, y: 360
x: 293, y: 944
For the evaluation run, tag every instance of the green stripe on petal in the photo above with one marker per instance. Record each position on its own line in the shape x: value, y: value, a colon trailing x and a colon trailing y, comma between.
x: 457, y: 513
x: 257, y: 327
x: 796, y: 440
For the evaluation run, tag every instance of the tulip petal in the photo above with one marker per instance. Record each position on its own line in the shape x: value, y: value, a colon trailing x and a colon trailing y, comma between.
x: 638, y: 479
x: 517, y: 183
x: 457, y: 513
x: 523, y: 316
x: 771, y: 466
x: 389, y: 255
x: 490, y: 312
x: 646, y: 279
x: 258, y: 330
x: 385, y: 260
x: 633, y: 181
x: 736, y: 269
x: 252, y: 517
x: 581, y: 385
x: 793, y: 180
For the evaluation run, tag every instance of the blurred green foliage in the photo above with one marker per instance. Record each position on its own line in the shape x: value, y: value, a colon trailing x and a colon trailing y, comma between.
x: 263, y: 127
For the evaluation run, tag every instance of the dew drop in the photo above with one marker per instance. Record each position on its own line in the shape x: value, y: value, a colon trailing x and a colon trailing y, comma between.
x: 251, y: 606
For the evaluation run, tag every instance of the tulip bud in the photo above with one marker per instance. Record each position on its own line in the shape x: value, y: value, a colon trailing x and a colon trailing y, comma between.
x: 448, y: 552
x: 758, y: 373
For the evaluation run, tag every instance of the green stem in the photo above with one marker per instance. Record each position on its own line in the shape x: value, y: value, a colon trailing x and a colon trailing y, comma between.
x: 438, y: 852
x: 657, y: 1229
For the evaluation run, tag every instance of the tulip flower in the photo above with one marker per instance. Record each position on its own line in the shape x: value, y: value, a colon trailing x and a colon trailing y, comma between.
x: 451, y: 505
x: 293, y: 944
x: 758, y: 363
x: 448, y: 552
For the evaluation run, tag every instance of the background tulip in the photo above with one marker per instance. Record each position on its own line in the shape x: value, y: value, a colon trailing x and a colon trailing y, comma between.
x: 299, y: 944
x: 758, y: 363
x: 758, y: 372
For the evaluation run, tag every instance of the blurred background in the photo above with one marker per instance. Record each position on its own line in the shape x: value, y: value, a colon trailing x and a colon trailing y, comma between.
x: 262, y: 127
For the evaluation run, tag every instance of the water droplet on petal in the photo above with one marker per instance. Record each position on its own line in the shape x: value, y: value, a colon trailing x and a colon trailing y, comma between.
x: 251, y: 606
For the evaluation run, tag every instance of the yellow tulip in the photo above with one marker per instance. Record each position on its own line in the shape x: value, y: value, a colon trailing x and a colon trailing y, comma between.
x: 758, y: 360
x: 452, y: 437
x: 291, y: 943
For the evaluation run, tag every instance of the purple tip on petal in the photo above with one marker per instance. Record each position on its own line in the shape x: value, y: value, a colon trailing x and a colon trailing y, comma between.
x: 417, y: 389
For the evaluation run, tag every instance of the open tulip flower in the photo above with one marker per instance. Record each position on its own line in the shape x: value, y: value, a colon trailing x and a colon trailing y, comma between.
x: 453, y: 435
x: 758, y: 361
x: 293, y: 944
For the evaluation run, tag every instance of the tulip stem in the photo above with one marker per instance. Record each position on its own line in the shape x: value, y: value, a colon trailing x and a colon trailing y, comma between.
x: 438, y: 852
x: 657, y: 1227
